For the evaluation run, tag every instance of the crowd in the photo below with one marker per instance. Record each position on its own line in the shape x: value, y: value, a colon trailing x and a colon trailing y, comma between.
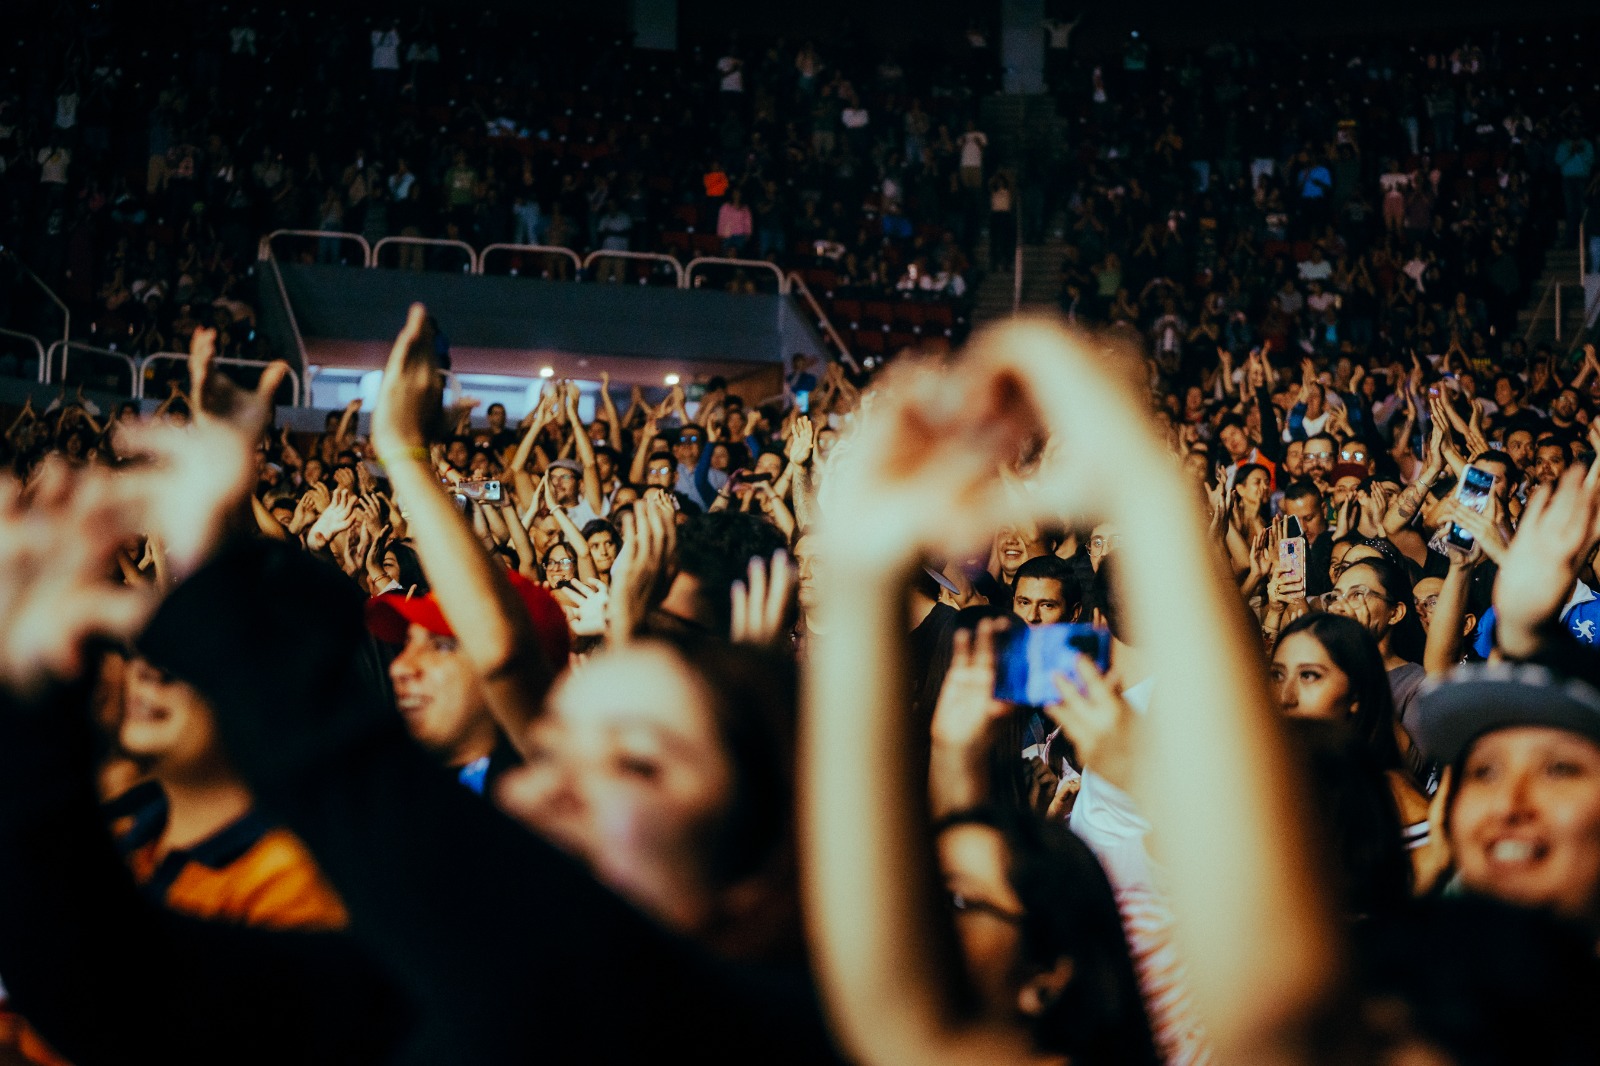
x: 1347, y: 199
x: 436, y: 738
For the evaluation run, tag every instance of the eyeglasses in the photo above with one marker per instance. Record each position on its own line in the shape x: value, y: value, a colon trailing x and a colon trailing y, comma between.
x: 1427, y: 604
x: 1309, y: 454
x: 967, y: 905
x: 560, y: 564
x: 1102, y: 544
x: 1356, y: 596
x: 1357, y: 454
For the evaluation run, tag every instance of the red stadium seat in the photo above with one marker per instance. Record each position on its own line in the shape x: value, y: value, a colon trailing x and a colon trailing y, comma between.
x: 878, y: 313
x: 846, y: 314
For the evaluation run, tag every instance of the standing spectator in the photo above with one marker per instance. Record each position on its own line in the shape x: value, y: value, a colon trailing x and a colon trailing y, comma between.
x: 1575, y: 160
x: 734, y: 224
x: 972, y: 144
x: 1002, y: 224
x: 386, y: 62
x: 613, y: 228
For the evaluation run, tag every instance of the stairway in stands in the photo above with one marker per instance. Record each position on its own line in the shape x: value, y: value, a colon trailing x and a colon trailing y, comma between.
x: 1537, y: 320
x: 1022, y: 131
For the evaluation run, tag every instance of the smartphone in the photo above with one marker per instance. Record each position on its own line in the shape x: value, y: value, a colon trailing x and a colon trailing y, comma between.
x: 1028, y: 658
x: 1292, y: 551
x: 484, y: 490
x: 802, y: 402
x: 1473, y: 493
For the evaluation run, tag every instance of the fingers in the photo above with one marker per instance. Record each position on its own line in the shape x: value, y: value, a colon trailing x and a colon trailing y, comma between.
x: 782, y: 580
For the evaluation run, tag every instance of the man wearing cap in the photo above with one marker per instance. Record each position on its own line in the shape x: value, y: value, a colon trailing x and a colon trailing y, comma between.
x: 565, y: 475
x: 436, y: 688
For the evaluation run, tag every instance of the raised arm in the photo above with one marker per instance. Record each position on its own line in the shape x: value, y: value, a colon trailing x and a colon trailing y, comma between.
x: 585, y: 450
x: 483, y: 610
x: 613, y: 424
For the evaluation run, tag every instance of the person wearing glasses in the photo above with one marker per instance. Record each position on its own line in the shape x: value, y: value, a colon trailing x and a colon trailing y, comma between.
x: 1376, y: 593
x: 1320, y: 455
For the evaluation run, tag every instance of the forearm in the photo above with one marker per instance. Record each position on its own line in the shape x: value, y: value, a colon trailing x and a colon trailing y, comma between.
x: 1443, y: 649
x: 1270, y: 933
x: 885, y: 950
x: 486, y: 614
x: 1403, y: 511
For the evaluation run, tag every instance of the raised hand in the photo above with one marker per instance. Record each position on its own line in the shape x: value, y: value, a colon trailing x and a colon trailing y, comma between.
x: 1097, y: 720
x: 338, y: 516
x: 408, y: 399
x: 761, y: 604
x: 1559, y: 531
x: 967, y: 709
x: 641, y: 570
x: 801, y: 442
x: 586, y: 616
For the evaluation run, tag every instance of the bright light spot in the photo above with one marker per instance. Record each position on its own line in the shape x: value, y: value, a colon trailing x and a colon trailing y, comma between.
x: 547, y: 372
x: 672, y: 379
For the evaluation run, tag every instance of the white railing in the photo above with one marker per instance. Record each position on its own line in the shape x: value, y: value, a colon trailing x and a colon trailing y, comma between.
x: 174, y: 357
x: 798, y: 282
x: 66, y: 348
x: 31, y: 339
x: 288, y: 309
x: 531, y: 249
x: 323, y: 234
x: 656, y: 257
x: 715, y: 260
x: 427, y: 242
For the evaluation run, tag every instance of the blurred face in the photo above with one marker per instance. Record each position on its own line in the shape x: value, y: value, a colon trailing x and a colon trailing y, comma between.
x: 987, y: 912
x: 1360, y: 595
x: 627, y: 772
x: 1519, y: 445
x: 1013, y: 552
x: 1308, y: 684
x: 544, y: 532
x: 805, y: 559
x: 603, y: 550
x: 605, y: 468
x: 497, y: 417
x: 1549, y: 463
x: 1344, y: 489
x: 1525, y: 819
x: 1355, y: 452
x: 1319, y: 458
x: 437, y: 694
x: 1565, y: 406
x: 167, y: 722
x: 1294, y: 456
x: 1235, y: 442
x: 1308, y: 509
x: 687, y: 449
x: 559, y: 566
x: 563, y: 485
x: 719, y: 457
x: 826, y: 439
x: 1504, y: 394
x: 391, y: 566
x: 769, y: 463
x: 659, y: 473
x: 1039, y: 601
x: 456, y: 454
x: 1255, y: 487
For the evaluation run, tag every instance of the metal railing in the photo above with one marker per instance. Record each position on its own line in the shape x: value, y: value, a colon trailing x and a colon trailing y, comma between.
x: 37, y: 346
x: 797, y: 282
x: 656, y: 257
x: 530, y: 249
x: 323, y: 234
x: 135, y: 375
x: 288, y: 309
x: 716, y: 260
x: 294, y: 378
x: 66, y: 312
x: 426, y: 242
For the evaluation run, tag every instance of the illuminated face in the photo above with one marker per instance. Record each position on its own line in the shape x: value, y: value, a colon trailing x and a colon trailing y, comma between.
x: 437, y: 693
x: 603, y: 549
x: 1524, y: 821
x: 1519, y: 445
x: 1255, y: 487
x: 659, y: 473
x: 166, y: 721
x: 627, y: 772
x: 1309, y: 684
x: 1235, y: 442
x: 456, y: 454
x: 1319, y: 458
x: 1294, y: 454
x: 563, y: 485
x: 1039, y: 601
x: 1549, y: 463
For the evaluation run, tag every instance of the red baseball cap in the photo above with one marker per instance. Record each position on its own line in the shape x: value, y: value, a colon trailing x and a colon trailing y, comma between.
x: 391, y: 614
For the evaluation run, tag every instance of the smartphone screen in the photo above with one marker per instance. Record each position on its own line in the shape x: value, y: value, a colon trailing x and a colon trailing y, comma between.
x: 1027, y: 660
x: 802, y: 402
x: 484, y: 490
x: 1473, y: 492
x: 1292, y: 557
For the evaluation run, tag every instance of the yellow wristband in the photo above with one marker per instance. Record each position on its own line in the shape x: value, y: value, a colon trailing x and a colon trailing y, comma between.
x: 420, y: 453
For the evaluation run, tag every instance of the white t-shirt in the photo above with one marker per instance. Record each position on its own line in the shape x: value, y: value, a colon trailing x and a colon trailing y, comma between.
x: 385, y: 50
x: 972, y: 146
x: 854, y: 118
x: 53, y: 165
x: 1311, y: 270
x: 732, y: 74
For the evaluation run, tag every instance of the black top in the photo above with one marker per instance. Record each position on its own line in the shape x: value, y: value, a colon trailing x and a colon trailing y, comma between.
x: 510, y: 951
